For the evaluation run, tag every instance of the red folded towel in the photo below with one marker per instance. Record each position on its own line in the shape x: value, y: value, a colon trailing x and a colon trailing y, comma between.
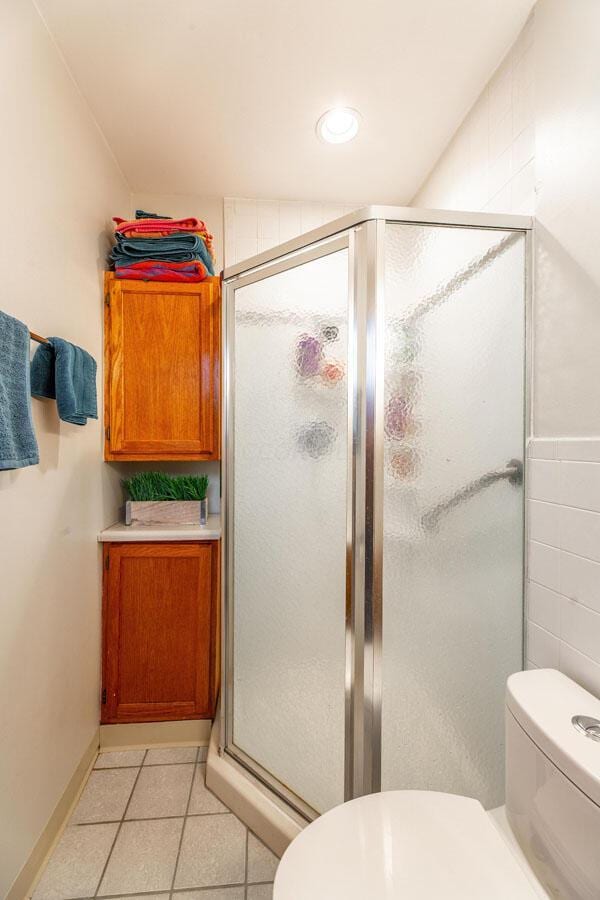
x: 157, y: 270
x: 150, y: 228
x: 189, y: 224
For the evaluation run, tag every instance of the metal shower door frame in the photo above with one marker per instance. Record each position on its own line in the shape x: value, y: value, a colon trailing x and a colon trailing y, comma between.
x: 333, y: 244
x: 363, y: 232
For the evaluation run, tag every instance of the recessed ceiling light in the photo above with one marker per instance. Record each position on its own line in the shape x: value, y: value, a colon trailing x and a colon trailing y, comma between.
x: 338, y: 125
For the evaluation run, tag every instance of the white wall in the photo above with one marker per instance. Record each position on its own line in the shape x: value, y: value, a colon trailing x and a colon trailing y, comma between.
x: 252, y: 226
x: 489, y: 165
x: 567, y: 321
x: 209, y: 209
x: 564, y: 558
x: 559, y: 113
x: 60, y: 186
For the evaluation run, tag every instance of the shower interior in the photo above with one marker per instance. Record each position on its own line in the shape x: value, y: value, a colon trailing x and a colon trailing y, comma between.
x: 374, y: 420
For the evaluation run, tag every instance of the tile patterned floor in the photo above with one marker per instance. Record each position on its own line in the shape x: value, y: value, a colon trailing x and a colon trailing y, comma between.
x: 147, y: 828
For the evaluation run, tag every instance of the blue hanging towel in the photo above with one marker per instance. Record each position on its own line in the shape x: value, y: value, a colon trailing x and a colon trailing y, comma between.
x: 66, y: 372
x: 18, y: 446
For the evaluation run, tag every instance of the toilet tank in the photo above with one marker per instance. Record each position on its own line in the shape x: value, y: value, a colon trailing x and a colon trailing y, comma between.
x: 553, y: 781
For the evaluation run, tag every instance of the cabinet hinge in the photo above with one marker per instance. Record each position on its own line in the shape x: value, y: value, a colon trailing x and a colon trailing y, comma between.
x: 107, y: 432
x: 104, y: 695
x: 107, y: 561
x: 107, y: 299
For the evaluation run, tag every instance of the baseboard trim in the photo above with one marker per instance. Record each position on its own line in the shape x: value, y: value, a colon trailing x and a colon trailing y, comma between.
x: 25, y: 881
x: 190, y: 732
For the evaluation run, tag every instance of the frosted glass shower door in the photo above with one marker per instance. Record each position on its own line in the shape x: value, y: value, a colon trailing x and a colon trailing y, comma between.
x: 290, y: 470
x: 453, y: 506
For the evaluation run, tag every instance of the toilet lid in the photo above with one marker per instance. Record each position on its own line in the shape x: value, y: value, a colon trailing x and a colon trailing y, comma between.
x: 417, y: 845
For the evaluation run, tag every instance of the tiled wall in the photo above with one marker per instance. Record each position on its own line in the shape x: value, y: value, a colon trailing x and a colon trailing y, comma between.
x: 489, y: 163
x: 563, y: 591
x: 534, y: 151
x: 252, y: 226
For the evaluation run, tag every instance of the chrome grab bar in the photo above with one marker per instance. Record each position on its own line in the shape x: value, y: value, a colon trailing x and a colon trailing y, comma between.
x: 513, y: 473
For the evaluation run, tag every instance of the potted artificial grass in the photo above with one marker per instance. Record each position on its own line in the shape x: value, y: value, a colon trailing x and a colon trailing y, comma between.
x: 156, y: 498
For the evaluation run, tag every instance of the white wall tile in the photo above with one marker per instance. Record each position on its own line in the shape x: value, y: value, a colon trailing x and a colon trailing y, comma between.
x: 499, y: 171
x: 267, y: 215
x: 543, y: 648
x: 253, y: 226
x: 580, y: 484
x: 544, y: 522
x: 580, y: 532
x: 523, y: 148
x: 541, y: 448
x: 499, y: 136
x: 567, y: 609
x: 543, y: 480
x: 525, y: 175
x: 543, y: 607
x: 580, y: 580
x: 580, y: 627
x: 523, y: 189
x: 500, y: 91
x: 544, y: 565
x: 522, y: 107
x: 580, y: 668
x: 584, y: 450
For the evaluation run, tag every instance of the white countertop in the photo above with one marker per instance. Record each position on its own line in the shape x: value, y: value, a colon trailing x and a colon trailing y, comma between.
x: 121, y: 532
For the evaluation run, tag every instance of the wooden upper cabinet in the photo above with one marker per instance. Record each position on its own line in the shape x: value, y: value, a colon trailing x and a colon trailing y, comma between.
x: 162, y: 379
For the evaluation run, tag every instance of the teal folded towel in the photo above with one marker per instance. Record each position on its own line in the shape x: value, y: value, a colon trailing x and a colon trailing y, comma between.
x: 18, y: 446
x: 66, y: 372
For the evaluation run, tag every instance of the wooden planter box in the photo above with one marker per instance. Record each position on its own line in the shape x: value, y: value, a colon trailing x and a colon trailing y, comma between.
x: 166, y: 512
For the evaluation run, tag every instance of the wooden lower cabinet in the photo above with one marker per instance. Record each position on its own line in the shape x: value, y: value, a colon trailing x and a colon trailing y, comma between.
x: 160, y: 623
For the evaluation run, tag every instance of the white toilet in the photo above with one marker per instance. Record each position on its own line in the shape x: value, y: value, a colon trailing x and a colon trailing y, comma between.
x: 421, y: 845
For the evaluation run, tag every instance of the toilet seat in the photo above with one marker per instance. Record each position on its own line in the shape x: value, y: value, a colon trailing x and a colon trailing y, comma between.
x: 417, y: 845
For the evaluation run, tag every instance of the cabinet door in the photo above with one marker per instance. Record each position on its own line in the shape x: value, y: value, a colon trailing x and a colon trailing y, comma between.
x: 160, y: 624
x: 162, y: 370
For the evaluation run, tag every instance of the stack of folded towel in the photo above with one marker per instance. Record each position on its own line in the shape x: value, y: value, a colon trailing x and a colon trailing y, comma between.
x: 158, y: 248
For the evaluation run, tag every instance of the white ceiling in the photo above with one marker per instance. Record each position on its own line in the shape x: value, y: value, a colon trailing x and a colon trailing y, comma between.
x: 220, y: 97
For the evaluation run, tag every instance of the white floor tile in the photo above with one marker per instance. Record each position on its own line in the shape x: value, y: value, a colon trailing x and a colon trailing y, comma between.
x: 105, y: 796
x: 202, y: 800
x: 161, y: 791
x: 162, y: 756
x: 113, y: 759
x: 143, y: 859
x: 143, y: 897
x: 262, y: 863
x: 232, y: 893
x: 76, y: 865
x: 213, y: 852
x: 260, y: 892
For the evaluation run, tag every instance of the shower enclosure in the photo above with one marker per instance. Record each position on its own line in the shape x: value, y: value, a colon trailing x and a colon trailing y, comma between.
x: 374, y: 411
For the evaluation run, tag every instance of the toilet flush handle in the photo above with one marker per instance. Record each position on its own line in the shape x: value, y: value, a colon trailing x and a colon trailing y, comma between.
x: 589, y: 726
